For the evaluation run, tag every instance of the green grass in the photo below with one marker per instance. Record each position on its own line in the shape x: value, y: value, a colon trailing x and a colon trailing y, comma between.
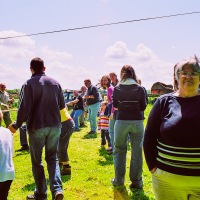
x: 92, y: 169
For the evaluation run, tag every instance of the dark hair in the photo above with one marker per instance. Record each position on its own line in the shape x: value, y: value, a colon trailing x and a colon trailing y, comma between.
x: 108, y: 78
x: 127, y: 71
x: 175, y: 79
x: 113, y: 73
x: 87, y: 80
x: 37, y: 64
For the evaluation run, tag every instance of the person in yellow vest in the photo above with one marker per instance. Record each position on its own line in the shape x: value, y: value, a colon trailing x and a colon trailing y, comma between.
x: 66, y: 132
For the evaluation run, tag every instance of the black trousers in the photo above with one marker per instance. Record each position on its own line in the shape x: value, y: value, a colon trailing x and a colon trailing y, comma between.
x: 105, y: 136
x: 4, y: 188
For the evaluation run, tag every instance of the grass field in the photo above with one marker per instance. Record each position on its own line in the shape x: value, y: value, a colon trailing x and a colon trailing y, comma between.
x: 92, y: 169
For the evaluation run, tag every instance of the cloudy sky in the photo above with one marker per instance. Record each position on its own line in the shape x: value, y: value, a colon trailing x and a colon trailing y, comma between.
x: 152, y: 47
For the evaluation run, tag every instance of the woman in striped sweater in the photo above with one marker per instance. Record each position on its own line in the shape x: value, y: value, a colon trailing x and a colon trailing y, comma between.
x: 172, y: 139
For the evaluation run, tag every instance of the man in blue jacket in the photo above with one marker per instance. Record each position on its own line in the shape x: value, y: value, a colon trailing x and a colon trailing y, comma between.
x: 40, y: 102
x: 93, y: 99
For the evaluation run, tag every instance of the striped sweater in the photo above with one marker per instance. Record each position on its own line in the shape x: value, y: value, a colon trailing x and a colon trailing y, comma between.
x: 103, y: 122
x: 172, y: 135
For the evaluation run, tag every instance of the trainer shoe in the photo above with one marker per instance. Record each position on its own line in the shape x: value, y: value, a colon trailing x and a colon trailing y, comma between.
x: 66, y: 170
x: 23, y: 148
x: 59, y: 196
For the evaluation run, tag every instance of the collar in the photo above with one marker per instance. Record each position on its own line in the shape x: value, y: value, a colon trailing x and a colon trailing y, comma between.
x: 38, y: 73
x: 128, y: 81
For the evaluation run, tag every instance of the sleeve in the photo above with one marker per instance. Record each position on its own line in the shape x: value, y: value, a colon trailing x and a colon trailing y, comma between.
x: 152, y: 132
x: 62, y: 99
x: 24, y: 106
x: 143, y: 99
x: 115, y: 101
x: 95, y: 92
x: 109, y: 94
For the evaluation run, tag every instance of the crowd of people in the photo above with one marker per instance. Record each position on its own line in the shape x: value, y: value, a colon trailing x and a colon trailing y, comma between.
x: 171, y: 139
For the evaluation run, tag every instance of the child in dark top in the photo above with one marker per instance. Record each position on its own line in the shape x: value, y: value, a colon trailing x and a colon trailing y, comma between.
x: 103, y: 126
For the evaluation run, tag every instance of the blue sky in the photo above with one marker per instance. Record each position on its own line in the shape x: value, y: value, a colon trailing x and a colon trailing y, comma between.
x: 152, y: 47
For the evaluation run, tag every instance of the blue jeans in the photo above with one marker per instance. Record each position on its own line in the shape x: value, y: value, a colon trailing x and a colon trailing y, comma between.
x: 75, y: 115
x: 66, y: 132
x: 136, y: 130
x: 93, y: 111
x: 45, y: 137
x: 111, y: 131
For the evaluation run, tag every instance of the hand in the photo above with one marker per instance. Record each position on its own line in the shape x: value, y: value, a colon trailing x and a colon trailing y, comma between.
x: 10, y: 127
x: 5, y: 106
x: 153, y: 170
x: 12, y: 100
x: 111, y: 116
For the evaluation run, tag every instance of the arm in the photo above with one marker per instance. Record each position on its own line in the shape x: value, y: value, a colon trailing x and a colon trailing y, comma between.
x: 71, y: 103
x: 151, y: 135
x: 88, y: 97
x: 143, y: 99
x: 24, y: 107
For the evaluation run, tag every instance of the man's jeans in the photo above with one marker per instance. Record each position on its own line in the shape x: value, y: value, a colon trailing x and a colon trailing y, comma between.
x: 93, y: 111
x: 135, y: 129
x: 75, y: 114
x: 48, y: 138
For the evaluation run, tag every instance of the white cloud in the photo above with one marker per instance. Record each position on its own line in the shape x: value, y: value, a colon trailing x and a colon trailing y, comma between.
x: 21, y: 42
x: 15, y: 48
x: 51, y: 54
x: 148, y: 66
x: 118, y: 51
x: 15, y: 58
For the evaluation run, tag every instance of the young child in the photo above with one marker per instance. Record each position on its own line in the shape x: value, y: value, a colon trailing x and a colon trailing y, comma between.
x: 103, y: 125
x: 6, y: 162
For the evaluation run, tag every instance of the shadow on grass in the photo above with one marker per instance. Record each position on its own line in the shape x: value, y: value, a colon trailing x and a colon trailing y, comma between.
x: 19, y: 153
x: 29, y: 187
x: 108, y: 158
x: 89, y: 136
x: 66, y: 178
x: 121, y: 193
x: 138, y: 194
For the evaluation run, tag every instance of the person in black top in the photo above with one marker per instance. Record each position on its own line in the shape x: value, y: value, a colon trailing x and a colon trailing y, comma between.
x: 77, y: 111
x: 93, y: 99
x: 172, y: 139
x: 40, y: 102
x: 129, y: 98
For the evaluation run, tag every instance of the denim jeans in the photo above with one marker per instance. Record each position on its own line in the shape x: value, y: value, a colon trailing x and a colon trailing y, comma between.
x: 23, y: 135
x: 45, y: 137
x: 75, y: 114
x: 175, y: 187
x: 66, y: 132
x: 136, y: 130
x: 111, y: 131
x: 93, y: 111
